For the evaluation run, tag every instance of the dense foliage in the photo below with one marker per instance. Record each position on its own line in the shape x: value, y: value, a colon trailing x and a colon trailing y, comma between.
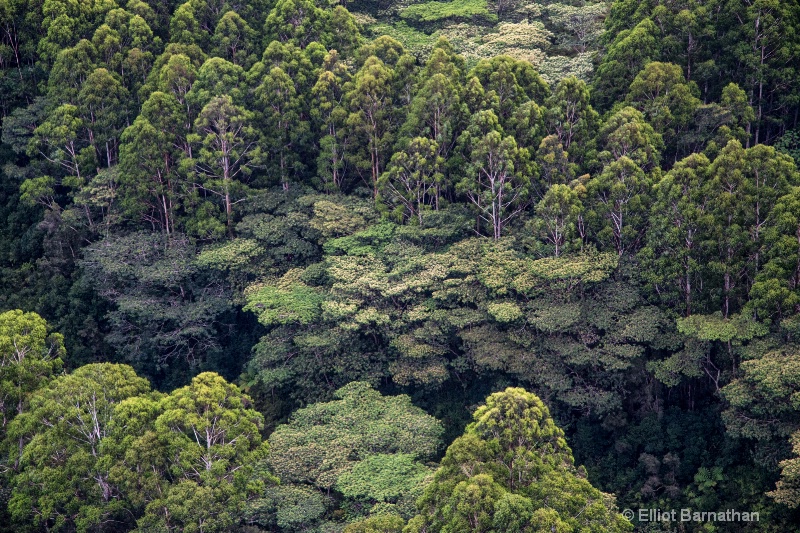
x: 265, y: 265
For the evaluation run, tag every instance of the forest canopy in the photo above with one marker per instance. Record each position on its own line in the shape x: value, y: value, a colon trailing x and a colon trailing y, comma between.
x: 422, y: 266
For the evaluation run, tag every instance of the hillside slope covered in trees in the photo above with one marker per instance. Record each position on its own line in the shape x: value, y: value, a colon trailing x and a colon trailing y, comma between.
x: 295, y: 266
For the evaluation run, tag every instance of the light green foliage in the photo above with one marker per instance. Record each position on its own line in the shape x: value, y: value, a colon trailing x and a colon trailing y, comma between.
x: 787, y: 490
x: 477, y: 30
x: 513, y: 471
x: 410, y: 37
x: 231, y: 255
x: 288, y: 301
x: 505, y: 312
x: 341, y: 217
x: 206, y: 439
x: 436, y: 11
x: 581, y: 23
x: 396, y: 479
x: 180, y: 178
x: 716, y: 328
x: 288, y: 507
x: 29, y: 356
x: 556, y: 68
x: 764, y: 400
x: 326, y: 440
x: 377, y: 524
x: 524, y: 41
x: 61, y: 481
x: 530, y: 317
x: 366, y: 446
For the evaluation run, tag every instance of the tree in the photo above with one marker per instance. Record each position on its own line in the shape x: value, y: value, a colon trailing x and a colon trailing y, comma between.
x: 437, y: 111
x: 582, y: 23
x: 62, y: 484
x: 630, y: 51
x: 286, y: 128
x: 150, y: 155
x: 377, y: 524
x: 100, y: 448
x: 497, y: 178
x: 176, y: 76
x: 228, y: 151
x: 554, y: 165
x: 668, y: 102
x: 512, y: 470
x: 559, y: 211
x: 775, y: 289
x: 627, y: 133
x: 235, y: 40
x: 511, y: 83
x: 59, y: 139
x: 326, y: 440
x: 297, y: 21
x: 329, y: 115
x: 103, y: 108
x: 125, y: 45
x: 202, y: 441
x: 742, y: 194
x: 677, y: 239
x: 570, y: 116
x: 29, y: 356
x: 184, y: 27
x: 413, y: 180
x: 168, y: 314
x: 762, y: 402
x: 372, y: 115
x: 787, y: 489
x: 367, y: 447
x: 622, y: 197
x: 216, y: 77
x: 763, y: 27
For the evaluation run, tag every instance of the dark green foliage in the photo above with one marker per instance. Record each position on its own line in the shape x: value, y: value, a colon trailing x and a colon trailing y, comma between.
x: 168, y: 315
x: 505, y: 196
